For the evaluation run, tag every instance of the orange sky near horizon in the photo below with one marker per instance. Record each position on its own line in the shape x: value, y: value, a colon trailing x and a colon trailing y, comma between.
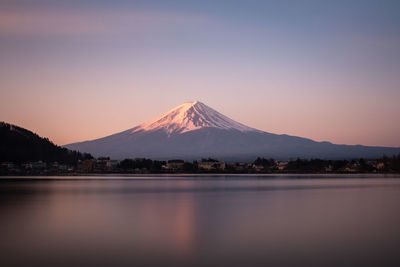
x: 79, y: 71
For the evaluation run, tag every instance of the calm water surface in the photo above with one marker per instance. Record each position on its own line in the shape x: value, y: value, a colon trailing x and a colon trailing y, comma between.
x: 200, y: 221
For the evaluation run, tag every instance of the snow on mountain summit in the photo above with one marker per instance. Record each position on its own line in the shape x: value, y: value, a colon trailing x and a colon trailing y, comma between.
x: 191, y: 116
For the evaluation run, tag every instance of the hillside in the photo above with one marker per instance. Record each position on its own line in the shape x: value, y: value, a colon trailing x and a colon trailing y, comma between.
x: 20, y: 145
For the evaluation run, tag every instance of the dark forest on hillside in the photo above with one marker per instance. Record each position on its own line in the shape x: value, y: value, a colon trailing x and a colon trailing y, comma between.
x: 20, y: 145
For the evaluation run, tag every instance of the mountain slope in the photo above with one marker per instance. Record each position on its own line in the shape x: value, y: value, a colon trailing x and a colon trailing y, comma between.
x: 20, y: 145
x: 194, y: 130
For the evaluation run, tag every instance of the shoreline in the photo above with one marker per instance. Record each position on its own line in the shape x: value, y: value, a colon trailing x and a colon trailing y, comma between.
x: 155, y: 176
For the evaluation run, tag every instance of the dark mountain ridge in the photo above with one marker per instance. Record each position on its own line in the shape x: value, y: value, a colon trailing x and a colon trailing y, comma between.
x: 21, y: 145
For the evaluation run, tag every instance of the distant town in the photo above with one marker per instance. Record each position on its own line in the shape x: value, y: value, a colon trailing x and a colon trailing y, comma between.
x: 104, y: 165
x: 23, y: 152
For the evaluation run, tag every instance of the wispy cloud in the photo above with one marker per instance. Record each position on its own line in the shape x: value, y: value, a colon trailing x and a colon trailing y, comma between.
x: 90, y: 22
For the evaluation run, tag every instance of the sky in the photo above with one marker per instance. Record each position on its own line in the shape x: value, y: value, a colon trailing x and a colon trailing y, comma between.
x: 326, y: 70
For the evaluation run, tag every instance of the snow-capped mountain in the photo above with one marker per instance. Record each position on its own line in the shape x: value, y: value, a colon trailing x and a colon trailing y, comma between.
x: 193, y: 130
x: 191, y: 116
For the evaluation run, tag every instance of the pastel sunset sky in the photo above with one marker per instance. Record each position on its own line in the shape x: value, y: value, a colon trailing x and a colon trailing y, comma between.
x: 325, y: 70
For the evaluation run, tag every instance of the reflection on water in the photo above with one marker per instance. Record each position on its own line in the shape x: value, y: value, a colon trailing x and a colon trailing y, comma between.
x: 207, y: 221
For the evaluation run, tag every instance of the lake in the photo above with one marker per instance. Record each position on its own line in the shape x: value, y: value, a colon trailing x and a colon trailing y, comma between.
x: 208, y: 220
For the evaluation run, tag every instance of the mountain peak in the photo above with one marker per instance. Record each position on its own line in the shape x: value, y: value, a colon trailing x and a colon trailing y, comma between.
x: 193, y: 130
x: 191, y: 116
